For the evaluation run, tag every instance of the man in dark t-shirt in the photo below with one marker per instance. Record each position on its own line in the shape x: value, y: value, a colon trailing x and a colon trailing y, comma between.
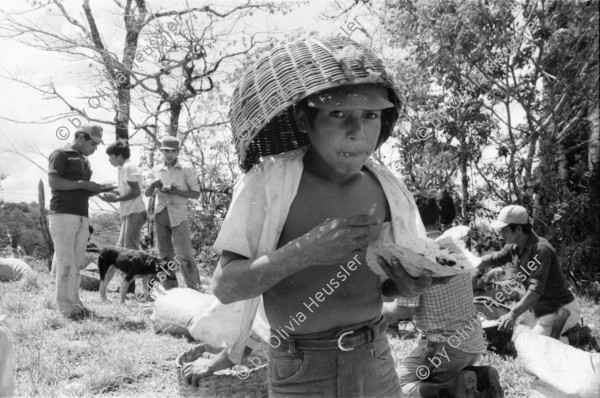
x: 69, y: 175
x: 536, y: 266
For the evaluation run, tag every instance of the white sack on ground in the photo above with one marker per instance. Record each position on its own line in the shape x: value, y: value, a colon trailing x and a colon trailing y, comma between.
x: 13, y: 269
x: 218, y: 326
x: 175, y: 310
x: 561, y: 371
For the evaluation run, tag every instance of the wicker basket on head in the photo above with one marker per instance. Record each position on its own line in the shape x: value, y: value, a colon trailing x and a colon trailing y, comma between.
x: 262, y: 110
x: 250, y: 382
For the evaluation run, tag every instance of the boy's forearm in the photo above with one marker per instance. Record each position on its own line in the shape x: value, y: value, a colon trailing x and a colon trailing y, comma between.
x: 247, y: 278
x: 526, y: 303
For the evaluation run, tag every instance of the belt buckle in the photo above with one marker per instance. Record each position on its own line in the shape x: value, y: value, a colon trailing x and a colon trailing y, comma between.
x: 339, y: 341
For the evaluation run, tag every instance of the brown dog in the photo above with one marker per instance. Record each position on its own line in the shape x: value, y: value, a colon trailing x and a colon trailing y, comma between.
x: 133, y: 263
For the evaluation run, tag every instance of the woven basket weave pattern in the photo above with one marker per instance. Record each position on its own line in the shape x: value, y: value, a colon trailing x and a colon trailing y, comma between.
x: 262, y: 106
x: 229, y: 384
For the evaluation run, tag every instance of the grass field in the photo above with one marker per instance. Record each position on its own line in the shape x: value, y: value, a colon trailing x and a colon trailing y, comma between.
x: 117, y: 353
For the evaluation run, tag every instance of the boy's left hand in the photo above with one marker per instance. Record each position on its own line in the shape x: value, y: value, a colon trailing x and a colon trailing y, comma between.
x: 407, y: 285
x: 109, y: 197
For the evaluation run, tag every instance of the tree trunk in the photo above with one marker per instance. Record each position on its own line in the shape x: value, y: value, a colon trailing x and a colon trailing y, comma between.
x: 174, y: 120
x: 152, y: 200
x: 464, y: 156
x: 44, y: 224
x: 594, y: 143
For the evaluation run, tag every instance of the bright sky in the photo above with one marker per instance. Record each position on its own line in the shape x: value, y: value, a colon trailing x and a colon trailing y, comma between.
x: 76, y: 79
x: 22, y: 103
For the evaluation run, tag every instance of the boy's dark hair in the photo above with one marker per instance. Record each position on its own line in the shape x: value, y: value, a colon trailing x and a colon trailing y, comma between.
x: 118, y: 148
x: 85, y: 135
x: 525, y: 227
x: 387, y: 118
x: 428, y: 209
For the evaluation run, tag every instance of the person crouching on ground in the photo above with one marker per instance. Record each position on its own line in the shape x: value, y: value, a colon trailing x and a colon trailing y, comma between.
x: 300, y: 218
x: 131, y: 205
x: 441, y: 365
x: 535, y: 265
x: 175, y: 182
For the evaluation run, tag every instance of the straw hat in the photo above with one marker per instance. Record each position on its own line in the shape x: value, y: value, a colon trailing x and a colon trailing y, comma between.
x: 263, y: 106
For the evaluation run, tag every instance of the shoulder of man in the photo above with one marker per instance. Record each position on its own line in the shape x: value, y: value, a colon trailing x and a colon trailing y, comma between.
x: 543, y: 245
x: 274, y: 160
x: 185, y: 165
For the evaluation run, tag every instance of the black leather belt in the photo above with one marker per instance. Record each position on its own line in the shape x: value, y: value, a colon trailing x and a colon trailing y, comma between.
x: 344, y: 339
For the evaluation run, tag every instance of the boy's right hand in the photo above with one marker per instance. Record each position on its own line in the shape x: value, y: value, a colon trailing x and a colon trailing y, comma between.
x: 334, y: 241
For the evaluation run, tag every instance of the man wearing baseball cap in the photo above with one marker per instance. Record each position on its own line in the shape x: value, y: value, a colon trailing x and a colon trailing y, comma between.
x: 536, y: 266
x: 176, y: 182
x: 69, y: 175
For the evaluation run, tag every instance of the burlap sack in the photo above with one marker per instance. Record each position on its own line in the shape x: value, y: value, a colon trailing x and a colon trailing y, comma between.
x: 561, y: 371
x: 13, y: 269
x: 175, y: 310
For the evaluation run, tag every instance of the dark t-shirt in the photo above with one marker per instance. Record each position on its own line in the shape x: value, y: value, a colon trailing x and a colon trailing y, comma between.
x: 539, y: 271
x: 70, y: 165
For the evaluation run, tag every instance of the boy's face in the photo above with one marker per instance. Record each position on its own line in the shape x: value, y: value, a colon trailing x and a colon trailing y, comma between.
x: 344, y: 139
x: 170, y: 155
x: 116, y: 160
x: 509, y: 236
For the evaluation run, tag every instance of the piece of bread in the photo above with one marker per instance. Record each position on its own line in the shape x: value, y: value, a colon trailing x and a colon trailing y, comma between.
x: 414, y: 263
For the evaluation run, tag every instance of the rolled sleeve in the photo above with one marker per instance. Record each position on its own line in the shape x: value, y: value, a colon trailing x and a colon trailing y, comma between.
x: 131, y: 174
x: 191, y: 179
x: 501, y: 257
x: 242, y: 227
x: 408, y: 302
x: 539, y: 276
x: 57, y: 163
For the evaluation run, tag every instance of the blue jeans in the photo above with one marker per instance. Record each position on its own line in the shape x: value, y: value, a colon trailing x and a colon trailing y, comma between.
x: 129, y: 237
x: 7, y: 378
x: 166, y: 237
x: 366, y: 371
x: 131, y: 230
x: 442, y: 367
x: 69, y: 235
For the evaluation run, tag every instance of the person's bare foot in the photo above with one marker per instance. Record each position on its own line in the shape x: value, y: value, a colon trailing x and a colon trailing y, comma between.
x: 203, y: 367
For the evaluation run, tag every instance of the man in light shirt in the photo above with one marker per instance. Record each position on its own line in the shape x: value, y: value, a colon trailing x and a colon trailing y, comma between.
x: 175, y: 183
x: 132, y: 209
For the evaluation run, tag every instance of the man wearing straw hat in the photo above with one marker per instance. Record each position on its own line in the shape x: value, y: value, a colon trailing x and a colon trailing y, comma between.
x: 176, y: 183
x: 299, y: 223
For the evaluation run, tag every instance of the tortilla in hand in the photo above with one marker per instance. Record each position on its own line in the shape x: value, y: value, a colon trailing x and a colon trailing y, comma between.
x: 412, y: 262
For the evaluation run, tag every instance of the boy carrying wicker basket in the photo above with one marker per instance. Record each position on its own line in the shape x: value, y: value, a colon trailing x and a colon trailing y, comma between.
x: 294, y: 240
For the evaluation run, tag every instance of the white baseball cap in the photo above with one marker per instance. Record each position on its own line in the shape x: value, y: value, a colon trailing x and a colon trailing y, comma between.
x: 513, y: 214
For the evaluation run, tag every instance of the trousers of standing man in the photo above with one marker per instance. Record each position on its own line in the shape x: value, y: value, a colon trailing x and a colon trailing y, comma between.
x: 170, y: 239
x: 69, y: 234
x: 7, y: 379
